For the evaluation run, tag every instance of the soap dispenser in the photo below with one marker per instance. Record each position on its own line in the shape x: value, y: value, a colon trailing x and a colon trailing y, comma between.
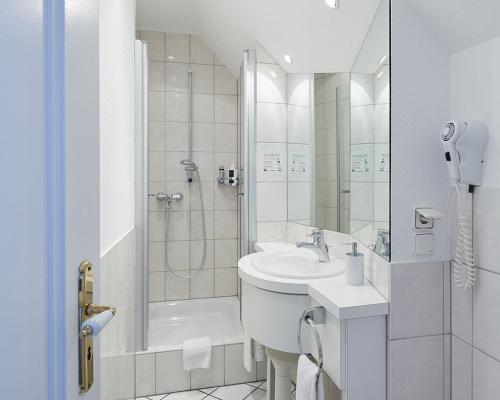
x: 355, y: 267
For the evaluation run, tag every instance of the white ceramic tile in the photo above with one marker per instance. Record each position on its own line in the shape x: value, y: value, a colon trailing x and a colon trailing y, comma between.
x: 330, y: 114
x: 197, y: 249
x: 156, y: 256
x: 203, y: 108
x: 177, y: 107
x: 271, y: 122
x: 486, y: 312
x: 199, y: 51
x: 156, y: 226
x: 461, y: 313
x: 208, y: 390
x: 416, y: 368
x: 205, y: 162
x: 461, y: 368
x: 189, y: 395
x: 226, y: 138
x: 202, y: 284
x: 271, y: 231
x: 225, y: 82
x: 144, y: 374
x: 156, y: 44
x: 156, y: 136
x: 234, y: 370
x: 176, y: 77
x: 225, y: 225
x: 298, y: 125
x: 298, y: 89
x: 156, y: 106
x: 381, y: 122
x: 319, y: 116
x: 170, y: 374
x: 226, y: 281
x: 156, y: 286
x: 124, y: 376
x: 331, y: 84
x: 361, y: 194
x: 178, y: 254
x: 207, y: 189
x: 176, y: 287
x: 416, y: 299
x: 203, y: 78
x: 271, y: 201
x: 381, y: 201
x: 362, y: 89
x: 177, y: 47
x: 177, y: 136
x: 362, y: 124
x: 156, y: 76
x: 271, y: 84
x: 381, y: 89
x: 203, y: 137
x: 197, y: 224
x: 485, y: 379
x: 262, y: 372
x: 225, y: 197
x: 266, y: 153
x: 214, y: 376
x: 486, y: 227
x: 156, y: 166
x: 299, y: 207
x: 178, y: 225
x: 258, y: 394
x: 174, y: 172
x: 226, y: 253
x: 226, y: 109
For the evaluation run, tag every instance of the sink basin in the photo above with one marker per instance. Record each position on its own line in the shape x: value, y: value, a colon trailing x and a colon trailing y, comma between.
x: 299, y: 264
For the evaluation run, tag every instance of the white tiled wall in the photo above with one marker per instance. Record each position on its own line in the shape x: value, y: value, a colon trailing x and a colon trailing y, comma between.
x: 215, y: 135
x: 475, y: 324
x: 162, y: 372
x: 328, y: 151
x: 117, y: 341
x: 370, y: 139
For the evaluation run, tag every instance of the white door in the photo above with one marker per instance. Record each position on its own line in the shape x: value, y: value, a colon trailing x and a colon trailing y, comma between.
x: 49, y: 165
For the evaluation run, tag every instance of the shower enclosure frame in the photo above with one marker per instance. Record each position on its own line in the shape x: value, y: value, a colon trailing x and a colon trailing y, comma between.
x: 141, y: 194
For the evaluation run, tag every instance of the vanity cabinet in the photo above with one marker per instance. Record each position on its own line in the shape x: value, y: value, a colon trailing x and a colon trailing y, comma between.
x: 354, y: 354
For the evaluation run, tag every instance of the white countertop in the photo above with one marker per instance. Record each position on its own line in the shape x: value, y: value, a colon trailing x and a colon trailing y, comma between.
x: 340, y: 299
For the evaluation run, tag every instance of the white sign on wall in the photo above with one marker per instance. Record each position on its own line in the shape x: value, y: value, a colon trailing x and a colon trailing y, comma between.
x: 272, y: 162
x: 383, y: 163
x: 297, y: 162
x: 360, y: 163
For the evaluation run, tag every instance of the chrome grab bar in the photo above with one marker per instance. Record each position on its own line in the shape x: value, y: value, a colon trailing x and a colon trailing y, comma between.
x: 312, y: 317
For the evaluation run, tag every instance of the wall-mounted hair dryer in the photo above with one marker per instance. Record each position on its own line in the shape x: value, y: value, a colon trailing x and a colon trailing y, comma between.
x: 464, y: 146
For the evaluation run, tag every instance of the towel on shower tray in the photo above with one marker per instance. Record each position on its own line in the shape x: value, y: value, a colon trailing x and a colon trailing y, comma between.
x: 197, y: 353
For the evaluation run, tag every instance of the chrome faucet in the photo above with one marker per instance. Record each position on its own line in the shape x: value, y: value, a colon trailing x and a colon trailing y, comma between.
x: 318, y: 245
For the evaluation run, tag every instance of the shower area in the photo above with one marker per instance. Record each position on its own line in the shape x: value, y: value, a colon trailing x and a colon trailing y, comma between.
x: 191, y: 208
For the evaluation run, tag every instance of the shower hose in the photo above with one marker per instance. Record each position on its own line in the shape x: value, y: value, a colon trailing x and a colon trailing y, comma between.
x: 191, y: 274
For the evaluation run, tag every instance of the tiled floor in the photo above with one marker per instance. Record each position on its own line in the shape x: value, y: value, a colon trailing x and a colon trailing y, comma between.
x: 244, y: 391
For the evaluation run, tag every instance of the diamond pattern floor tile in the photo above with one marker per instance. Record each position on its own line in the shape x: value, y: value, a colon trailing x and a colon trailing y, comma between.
x: 232, y: 392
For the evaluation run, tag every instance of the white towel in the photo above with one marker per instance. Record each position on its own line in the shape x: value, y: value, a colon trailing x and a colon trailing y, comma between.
x: 247, y: 352
x: 197, y: 353
x: 309, y: 386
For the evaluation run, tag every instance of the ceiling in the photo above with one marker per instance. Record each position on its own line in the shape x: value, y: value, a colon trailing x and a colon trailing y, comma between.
x: 318, y: 38
x: 460, y: 23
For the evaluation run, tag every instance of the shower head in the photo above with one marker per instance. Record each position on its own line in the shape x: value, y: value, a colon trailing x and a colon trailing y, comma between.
x: 189, y: 164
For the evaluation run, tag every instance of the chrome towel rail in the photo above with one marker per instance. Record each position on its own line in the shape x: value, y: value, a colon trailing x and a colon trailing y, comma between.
x: 312, y: 317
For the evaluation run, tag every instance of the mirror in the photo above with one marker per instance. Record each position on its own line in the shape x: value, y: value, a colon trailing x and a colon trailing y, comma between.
x: 339, y: 144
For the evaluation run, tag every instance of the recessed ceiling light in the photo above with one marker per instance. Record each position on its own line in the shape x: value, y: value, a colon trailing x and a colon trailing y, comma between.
x: 287, y: 59
x: 379, y: 75
x: 382, y: 60
x: 273, y: 73
x: 332, y: 3
x: 170, y: 57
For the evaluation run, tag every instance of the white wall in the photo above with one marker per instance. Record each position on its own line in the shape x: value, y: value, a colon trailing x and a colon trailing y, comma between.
x: 116, y: 36
x: 420, y: 105
x: 475, y: 94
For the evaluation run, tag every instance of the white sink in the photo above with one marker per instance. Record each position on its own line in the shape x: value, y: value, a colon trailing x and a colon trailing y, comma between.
x: 296, y: 264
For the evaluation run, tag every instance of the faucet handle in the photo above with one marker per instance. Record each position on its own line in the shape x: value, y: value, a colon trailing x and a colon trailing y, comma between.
x: 315, y: 233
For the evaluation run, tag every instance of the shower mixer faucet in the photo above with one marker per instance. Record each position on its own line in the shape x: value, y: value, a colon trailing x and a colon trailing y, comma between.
x: 168, y: 197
